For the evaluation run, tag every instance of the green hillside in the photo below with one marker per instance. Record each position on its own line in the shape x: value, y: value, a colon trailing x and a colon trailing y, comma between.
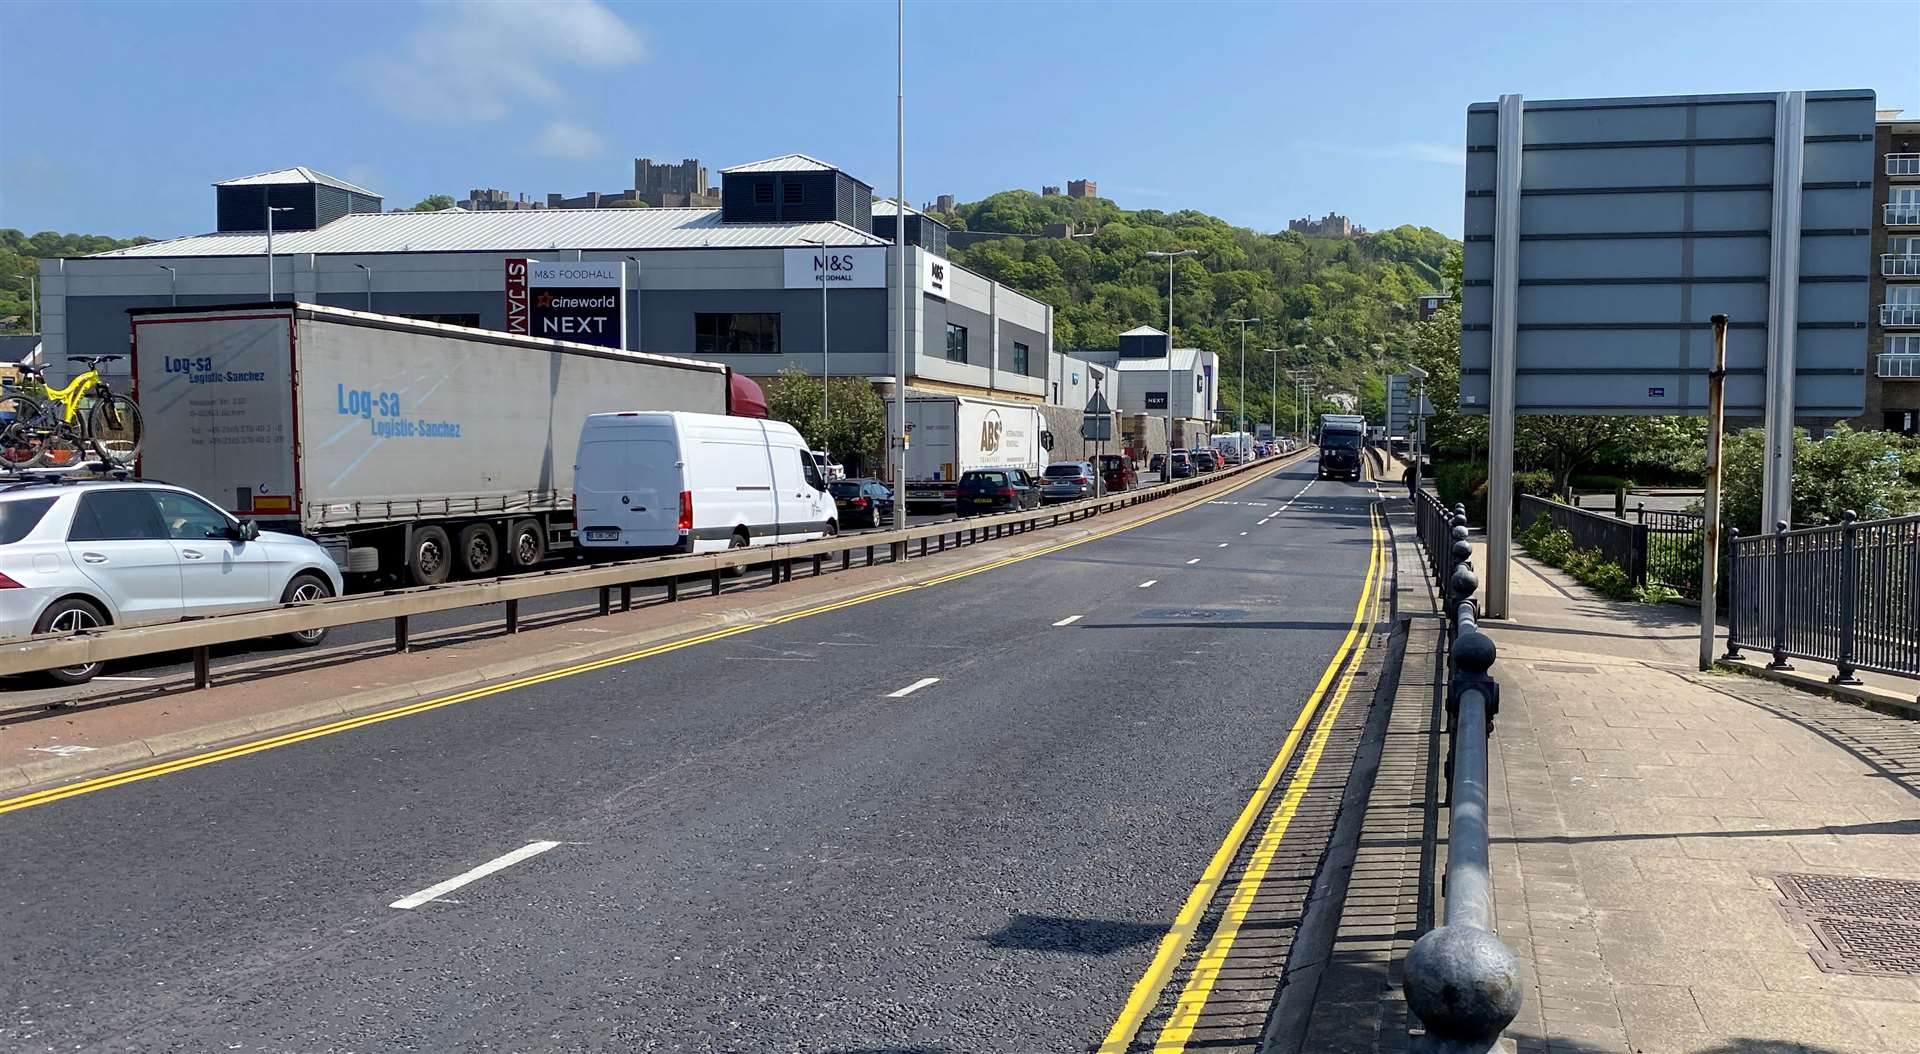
x: 1341, y: 307
x: 18, y: 254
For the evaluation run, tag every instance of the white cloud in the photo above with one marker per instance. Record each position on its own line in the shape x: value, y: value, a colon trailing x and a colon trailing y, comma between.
x: 569, y: 139
x: 473, y: 61
x: 1431, y: 153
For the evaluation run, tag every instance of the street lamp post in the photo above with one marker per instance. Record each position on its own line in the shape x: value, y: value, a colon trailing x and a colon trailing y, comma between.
x: 1420, y: 429
x: 820, y: 273
x: 1240, y: 412
x: 173, y: 284
x: 369, y: 272
x: 1166, y: 466
x: 270, y: 211
x: 1273, y: 398
x: 639, y: 308
x: 900, y: 273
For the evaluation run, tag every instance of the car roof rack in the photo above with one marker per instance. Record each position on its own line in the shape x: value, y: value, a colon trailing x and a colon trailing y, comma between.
x: 52, y: 477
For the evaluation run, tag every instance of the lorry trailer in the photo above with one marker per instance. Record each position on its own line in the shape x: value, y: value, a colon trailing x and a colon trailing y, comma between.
x: 947, y: 435
x: 400, y: 446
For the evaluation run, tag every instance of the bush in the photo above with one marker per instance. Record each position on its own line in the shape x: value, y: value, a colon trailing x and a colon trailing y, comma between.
x: 1608, y: 484
x: 1465, y: 481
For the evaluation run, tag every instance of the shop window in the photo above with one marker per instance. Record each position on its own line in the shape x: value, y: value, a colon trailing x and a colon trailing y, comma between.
x: 736, y: 333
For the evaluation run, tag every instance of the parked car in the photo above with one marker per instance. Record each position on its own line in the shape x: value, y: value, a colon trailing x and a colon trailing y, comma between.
x: 1205, y: 460
x: 77, y: 555
x: 984, y: 490
x: 1116, y: 470
x: 1182, y: 464
x: 672, y: 481
x: 862, y: 502
x: 1067, y: 481
x: 1157, y: 463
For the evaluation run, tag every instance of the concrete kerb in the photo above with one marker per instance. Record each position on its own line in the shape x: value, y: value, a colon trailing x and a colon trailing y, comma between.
x: 53, y: 770
x: 1869, y: 696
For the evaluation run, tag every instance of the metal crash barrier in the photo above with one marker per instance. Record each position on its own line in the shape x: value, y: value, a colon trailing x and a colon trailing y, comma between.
x: 200, y: 636
x: 1460, y: 980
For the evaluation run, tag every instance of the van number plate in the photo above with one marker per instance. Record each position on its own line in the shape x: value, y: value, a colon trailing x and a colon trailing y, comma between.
x: 603, y: 534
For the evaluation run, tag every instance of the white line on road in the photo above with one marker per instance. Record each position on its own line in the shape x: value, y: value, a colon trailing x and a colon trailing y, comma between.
x: 912, y: 688
x: 1222, y: 545
x: 1068, y: 621
x: 1195, y: 560
x: 1243, y: 534
x: 435, y: 892
x: 1148, y: 582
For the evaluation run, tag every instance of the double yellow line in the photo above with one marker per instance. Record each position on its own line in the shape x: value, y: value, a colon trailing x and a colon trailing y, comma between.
x: 1332, y: 691
x: 239, y: 750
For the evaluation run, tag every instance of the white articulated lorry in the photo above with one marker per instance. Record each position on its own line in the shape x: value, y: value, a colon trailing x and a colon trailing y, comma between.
x: 950, y: 434
x: 400, y: 446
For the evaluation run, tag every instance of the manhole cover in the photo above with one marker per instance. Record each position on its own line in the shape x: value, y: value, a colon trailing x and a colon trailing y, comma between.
x: 1563, y: 667
x: 1860, y: 895
x: 1865, y: 924
x: 1193, y: 614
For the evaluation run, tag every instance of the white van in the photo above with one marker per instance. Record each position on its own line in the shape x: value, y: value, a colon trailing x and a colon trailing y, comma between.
x: 671, y: 481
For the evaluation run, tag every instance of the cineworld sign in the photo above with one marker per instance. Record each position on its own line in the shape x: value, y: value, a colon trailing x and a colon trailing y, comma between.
x: 583, y: 301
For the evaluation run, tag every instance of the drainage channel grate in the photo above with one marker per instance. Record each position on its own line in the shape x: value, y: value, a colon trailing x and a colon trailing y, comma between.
x: 1865, y: 924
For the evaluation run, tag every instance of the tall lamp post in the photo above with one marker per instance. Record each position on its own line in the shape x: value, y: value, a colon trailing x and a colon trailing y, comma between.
x: 1240, y: 411
x: 270, y: 211
x: 900, y: 272
x: 820, y: 274
x: 1420, y: 426
x: 1273, y: 399
x: 369, y: 273
x: 1166, y: 466
x: 173, y: 284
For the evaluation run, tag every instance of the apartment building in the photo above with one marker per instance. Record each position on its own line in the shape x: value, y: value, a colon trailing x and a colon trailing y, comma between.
x: 1893, y: 335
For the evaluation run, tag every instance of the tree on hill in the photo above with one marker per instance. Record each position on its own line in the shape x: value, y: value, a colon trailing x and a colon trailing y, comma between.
x: 1341, y: 308
x: 20, y: 256
x: 432, y: 203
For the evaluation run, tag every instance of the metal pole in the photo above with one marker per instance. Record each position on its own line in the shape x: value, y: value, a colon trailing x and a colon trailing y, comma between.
x: 1783, y: 304
x: 900, y: 270
x: 1168, y: 464
x: 33, y: 302
x: 1273, y: 398
x: 263, y: 195
x: 824, y: 370
x: 173, y: 284
x: 639, y: 312
x: 1779, y: 597
x: 1849, y: 585
x: 369, y: 272
x: 1500, y: 395
x: 1420, y: 443
x: 1710, y: 524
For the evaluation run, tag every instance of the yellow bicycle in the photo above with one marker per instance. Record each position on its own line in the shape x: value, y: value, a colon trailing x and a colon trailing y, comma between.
x: 42, y: 427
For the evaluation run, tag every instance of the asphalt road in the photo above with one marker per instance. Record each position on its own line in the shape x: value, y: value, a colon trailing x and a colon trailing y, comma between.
x: 774, y: 841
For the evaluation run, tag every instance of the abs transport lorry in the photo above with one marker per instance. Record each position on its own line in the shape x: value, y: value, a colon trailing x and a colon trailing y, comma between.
x: 951, y: 434
x: 398, y: 445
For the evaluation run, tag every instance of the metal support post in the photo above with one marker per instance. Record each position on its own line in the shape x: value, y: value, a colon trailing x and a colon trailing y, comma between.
x: 513, y: 616
x: 1506, y: 333
x: 1849, y: 581
x: 1783, y: 304
x: 1710, y: 524
x: 1779, y: 598
x: 1733, y: 593
x: 626, y: 597
x: 606, y: 600
x: 202, y: 666
x: 400, y: 633
x: 673, y: 590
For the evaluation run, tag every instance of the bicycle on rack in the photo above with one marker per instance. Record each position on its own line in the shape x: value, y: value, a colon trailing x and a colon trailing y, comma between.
x: 42, y: 427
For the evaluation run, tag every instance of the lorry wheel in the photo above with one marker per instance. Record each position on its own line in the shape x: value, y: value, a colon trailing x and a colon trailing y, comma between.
x: 527, y: 544
x: 479, y: 550
x: 432, y: 556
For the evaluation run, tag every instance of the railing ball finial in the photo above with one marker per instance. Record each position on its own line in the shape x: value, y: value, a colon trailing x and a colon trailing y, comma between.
x: 1462, y: 550
x: 1474, y: 652
x: 1459, y: 533
x: 1463, y: 582
x: 1779, y: 526
x: 1463, y: 983
x: 1849, y: 516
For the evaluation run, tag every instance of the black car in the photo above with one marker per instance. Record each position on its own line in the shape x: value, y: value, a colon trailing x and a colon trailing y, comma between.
x: 1205, y: 460
x: 984, y: 490
x: 862, y: 502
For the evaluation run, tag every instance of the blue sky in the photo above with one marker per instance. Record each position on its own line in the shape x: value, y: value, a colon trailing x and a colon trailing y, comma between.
x: 119, y: 115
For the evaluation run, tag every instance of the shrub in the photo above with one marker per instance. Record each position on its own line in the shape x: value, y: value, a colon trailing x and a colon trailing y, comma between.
x: 1555, y: 546
x: 1599, y: 482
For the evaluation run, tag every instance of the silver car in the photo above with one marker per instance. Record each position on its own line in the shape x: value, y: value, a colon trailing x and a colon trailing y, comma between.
x: 1067, y: 481
x: 75, y: 555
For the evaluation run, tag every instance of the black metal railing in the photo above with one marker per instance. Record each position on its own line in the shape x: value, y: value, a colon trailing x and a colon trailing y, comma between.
x: 1622, y: 542
x: 1460, y: 980
x: 1846, y: 594
x: 1673, y: 549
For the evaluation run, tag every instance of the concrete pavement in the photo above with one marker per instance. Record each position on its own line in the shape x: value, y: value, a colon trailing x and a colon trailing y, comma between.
x: 961, y: 817
x: 1682, y: 861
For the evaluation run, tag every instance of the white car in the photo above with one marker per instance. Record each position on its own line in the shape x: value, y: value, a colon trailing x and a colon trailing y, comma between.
x: 75, y: 555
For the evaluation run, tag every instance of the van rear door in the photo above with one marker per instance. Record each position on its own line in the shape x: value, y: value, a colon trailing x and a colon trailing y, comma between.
x: 627, y: 489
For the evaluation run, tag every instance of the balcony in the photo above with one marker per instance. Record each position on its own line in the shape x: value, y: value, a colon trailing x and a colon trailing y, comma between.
x: 1900, y: 314
x: 1900, y: 367
x: 1901, y: 213
x: 1895, y: 265
x: 1903, y: 164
